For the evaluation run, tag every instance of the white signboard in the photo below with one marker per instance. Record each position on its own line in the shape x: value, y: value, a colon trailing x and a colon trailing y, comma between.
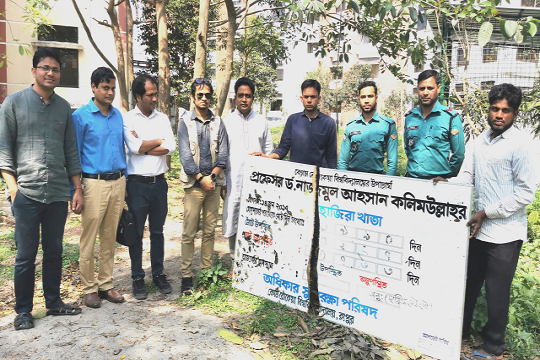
x: 275, y: 229
x: 392, y: 259
x: 392, y: 252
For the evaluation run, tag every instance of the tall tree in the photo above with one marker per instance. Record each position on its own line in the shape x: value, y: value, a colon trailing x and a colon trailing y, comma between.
x: 119, y: 70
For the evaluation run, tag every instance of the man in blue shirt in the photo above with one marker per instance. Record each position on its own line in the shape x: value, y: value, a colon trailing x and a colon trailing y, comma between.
x: 433, y: 136
x: 368, y: 137
x: 309, y: 135
x: 100, y: 139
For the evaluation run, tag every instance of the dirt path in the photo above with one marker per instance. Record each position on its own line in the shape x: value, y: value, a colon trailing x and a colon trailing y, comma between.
x: 156, y: 328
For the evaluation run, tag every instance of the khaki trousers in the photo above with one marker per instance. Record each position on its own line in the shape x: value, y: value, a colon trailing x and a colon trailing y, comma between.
x: 103, y: 204
x: 195, y: 200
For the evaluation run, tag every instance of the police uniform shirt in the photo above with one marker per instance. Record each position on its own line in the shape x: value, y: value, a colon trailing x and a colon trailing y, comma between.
x: 435, y: 146
x: 364, y: 144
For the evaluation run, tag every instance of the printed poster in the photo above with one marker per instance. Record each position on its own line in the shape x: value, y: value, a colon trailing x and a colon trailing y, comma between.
x: 392, y: 258
x: 275, y: 228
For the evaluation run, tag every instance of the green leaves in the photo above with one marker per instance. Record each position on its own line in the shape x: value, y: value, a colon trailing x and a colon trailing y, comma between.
x: 484, y: 34
x: 508, y: 28
x: 230, y: 336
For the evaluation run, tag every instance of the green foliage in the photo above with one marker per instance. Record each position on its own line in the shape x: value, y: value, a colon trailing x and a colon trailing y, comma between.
x: 344, y: 96
x: 213, y: 276
x: 70, y: 254
x: 260, y: 51
x: 533, y: 223
x: 182, y: 24
x: 7, y: 256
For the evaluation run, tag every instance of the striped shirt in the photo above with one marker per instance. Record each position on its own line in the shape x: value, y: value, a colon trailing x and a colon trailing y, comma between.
x: 503, y: 172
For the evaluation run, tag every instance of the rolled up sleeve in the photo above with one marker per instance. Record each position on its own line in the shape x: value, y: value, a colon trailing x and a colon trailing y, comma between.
x: 8, y: 129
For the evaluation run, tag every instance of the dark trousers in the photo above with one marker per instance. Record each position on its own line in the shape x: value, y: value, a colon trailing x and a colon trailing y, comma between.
x: 148, y: 200
x: 495, y: 264
x: 29, y: 215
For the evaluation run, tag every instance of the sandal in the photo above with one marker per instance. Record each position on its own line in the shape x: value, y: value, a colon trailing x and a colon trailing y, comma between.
x: 480, y: 356
x: 23, y: 321
x: 65, y: 309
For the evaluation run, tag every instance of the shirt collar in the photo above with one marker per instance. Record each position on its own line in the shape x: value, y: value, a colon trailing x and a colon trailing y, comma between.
x: 375, y: 117
x: 36, y: 94
x: 438, y: 107
x: 209, y: 117
x: 237, y: 112
x: 138, y: 111
x: 505, y: 135
x: 318, y: 115
x: 93, y: 108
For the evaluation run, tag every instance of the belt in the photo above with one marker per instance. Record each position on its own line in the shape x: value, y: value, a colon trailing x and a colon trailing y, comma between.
x: 146, y: 179
x: 107, y: 176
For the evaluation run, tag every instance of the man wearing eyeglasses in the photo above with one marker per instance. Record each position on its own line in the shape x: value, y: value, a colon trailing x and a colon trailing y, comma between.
x: 99, y: 128
x: 38, y: 153
x: 202, y: 143
x: 310, y: 135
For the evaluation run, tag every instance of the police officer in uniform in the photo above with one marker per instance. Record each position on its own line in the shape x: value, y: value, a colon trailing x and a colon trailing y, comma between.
x: 368, y: 137
x: 433, y: 135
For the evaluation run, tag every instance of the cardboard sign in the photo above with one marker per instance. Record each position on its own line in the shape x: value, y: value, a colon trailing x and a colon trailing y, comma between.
x: 392, y: 253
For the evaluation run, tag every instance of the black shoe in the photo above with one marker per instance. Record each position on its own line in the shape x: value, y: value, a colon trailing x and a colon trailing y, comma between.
x: 187, y: 284
x: 162, y: 284
x: 138, y: 289
x: 23, y: 321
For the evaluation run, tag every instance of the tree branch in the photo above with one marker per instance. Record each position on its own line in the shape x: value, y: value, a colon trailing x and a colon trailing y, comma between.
x: 104, y: 22
x: 90, y: 38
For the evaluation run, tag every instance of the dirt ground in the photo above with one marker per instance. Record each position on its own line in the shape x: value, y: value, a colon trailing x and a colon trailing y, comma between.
x: 156, y: 328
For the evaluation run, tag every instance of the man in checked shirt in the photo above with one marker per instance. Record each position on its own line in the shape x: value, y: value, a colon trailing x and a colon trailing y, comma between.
x: 501, y: 166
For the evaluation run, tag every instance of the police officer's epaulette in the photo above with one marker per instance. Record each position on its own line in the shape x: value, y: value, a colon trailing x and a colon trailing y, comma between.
x: 351, y: 121
x: 453, y: 113
x: 409, y: 112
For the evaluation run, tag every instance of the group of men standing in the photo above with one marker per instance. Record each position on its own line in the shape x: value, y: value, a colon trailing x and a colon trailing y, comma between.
x: 43, y: 148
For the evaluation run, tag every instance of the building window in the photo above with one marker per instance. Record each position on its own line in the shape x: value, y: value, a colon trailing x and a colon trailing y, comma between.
x: 527, y: 54
x: 459, y: 88
x: 375, y: 71
x: 419, y: 68
x: 280, y: 74
x: 486, y: 85
x: 530, y: 3
x: 311, y: 47
x: 460, y: 57
x: 276, y: 105
x: 489, y: 54
x: 60, y: 33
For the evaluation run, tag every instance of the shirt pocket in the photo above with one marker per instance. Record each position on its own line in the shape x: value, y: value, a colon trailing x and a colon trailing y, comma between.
x: 57, y: 129
x: 320, y: 139
x: 412, y: 136
x: 501, y: 170
x: 435, y: 136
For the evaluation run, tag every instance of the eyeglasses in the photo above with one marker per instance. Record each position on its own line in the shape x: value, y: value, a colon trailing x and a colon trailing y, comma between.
x: 203, y: 81
x: 48, y: 68
x: 206, y: 95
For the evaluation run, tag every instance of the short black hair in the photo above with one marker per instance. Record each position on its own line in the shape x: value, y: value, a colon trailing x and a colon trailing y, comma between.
x: 44, y: 52
x: 139, y: 83
x: 366, y: 84
x: 101, y: 74
x: 200, y: 83
x: 244, y: 81
x: 507, y: 92
x: 311, y: 83
x: 426, y: 74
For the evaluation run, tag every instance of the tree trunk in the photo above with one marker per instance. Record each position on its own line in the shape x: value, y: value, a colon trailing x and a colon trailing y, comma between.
x: 164, y: 86
x: 231, y: 31
x: 129, y: 44
x: 200, y: 47
x: 121, y: 75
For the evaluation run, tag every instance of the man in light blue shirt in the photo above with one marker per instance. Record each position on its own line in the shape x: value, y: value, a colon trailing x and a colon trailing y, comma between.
x: 100, y: 139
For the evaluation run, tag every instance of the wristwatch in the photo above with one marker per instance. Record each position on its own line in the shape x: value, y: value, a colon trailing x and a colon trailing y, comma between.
x: 213, y: 177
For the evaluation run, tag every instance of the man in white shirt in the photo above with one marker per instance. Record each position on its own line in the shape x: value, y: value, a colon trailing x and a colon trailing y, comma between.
x: 501, y: 166
x: 249, y: 134
x: 149, y: 138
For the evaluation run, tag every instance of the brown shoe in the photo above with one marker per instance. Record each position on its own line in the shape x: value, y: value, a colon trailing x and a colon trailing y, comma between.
x: 92, y: 300
x: 111, y: 295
